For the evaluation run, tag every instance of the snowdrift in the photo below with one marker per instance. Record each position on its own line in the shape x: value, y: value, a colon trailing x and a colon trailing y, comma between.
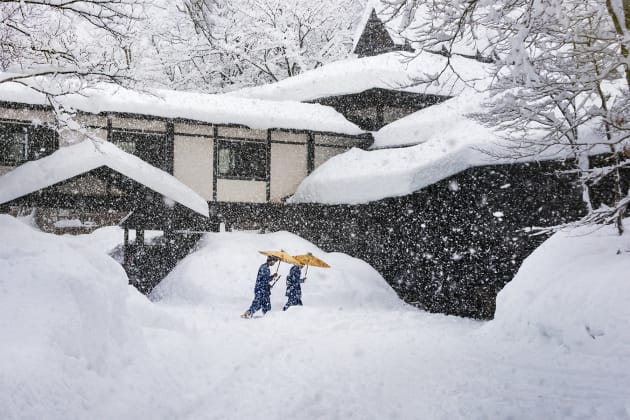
x: 573, y: 290
x: 64, y: 323
x: 222, y: 273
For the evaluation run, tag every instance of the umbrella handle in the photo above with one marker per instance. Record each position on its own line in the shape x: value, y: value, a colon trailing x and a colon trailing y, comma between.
x: 277, y: 277
x: 306, y: 272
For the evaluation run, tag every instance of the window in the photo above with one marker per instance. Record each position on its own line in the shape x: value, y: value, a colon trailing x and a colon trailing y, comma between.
x: 239, y: 159
x: 22, y: 142
x: 147, y: 146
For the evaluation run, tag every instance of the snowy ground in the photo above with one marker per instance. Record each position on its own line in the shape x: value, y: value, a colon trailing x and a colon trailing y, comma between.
x: 79, y: 343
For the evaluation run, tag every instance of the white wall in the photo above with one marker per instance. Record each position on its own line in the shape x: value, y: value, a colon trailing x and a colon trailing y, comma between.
x: 241, y: 191
x: 288, y: 168
x: 138, y: 124
x: 192, y: 164
x: 25, y: 114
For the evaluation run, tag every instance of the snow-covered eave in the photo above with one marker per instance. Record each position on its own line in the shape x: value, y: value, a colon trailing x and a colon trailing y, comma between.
x: 414, y: 152
x: 370, y: 183
x: 186, y: 106
x: 71, y: 161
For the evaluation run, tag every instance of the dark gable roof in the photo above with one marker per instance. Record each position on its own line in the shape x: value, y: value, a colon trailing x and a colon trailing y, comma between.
x: 375, y: 39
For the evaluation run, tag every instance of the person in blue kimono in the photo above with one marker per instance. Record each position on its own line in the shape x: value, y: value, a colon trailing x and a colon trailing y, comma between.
x: 294, y: 288
x: 262, y: 289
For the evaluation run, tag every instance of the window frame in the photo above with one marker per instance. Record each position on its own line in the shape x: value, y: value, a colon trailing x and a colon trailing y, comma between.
x: 35, y: 136
x: 157, y: 139
x: 238, y: 170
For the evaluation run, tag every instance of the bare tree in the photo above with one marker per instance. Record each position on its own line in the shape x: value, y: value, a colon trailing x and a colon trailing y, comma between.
x: 259, y: 41
x: 71, y: 42
x: 59, y: 47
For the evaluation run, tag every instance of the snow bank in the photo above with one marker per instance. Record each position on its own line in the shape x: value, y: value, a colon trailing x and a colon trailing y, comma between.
x: 222, y: 272
x: 64, y: 324
x: 573, y: 290
x: 218, y: 109
x: 77, y: 159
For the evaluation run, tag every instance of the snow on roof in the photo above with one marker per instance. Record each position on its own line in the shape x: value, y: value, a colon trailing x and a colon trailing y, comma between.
x: 442, y: 140
x: 218, y: 109
x: 444, y: 125
x: 77, y: 159
x: 395, y: 70
x: 449, y: 142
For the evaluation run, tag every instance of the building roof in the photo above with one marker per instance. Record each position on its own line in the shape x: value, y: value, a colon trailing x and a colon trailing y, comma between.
x: 77, y: 159
x: 217, y: 109
x: 416, y: 151
x: 441, y: 140
x: 383, y: 26
x: 374, y: 39
x: 396, y: 71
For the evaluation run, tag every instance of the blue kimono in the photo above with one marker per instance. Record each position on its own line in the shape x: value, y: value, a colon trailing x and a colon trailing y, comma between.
x: 262, y: 291
x: 294, y: 290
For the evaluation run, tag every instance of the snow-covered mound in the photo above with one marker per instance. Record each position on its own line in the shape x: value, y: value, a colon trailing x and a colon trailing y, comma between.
x: 573, y: 290
x: 222, y: 273
x: 64, y: 323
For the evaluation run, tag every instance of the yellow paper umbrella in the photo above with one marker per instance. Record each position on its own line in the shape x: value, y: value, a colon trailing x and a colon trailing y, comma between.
x: 282, y: 256
x: 310, y: 259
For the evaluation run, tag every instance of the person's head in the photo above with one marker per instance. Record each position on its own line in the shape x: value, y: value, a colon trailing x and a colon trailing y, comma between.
x: 271, y: 260
x: 300, y: 266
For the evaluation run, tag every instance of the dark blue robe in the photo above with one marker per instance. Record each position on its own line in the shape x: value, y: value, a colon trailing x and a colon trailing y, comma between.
x: 294, y: 290
x: 262, y: 291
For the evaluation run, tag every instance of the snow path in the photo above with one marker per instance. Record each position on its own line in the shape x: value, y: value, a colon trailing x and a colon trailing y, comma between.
x: 308, y: 363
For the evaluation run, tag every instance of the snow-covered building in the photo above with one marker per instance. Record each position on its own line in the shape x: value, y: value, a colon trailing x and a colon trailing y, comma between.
x: 440, y: 220
x: 426, y: 205
x: 383, y: 80
x: 224, y: 148
x: 72, y: 161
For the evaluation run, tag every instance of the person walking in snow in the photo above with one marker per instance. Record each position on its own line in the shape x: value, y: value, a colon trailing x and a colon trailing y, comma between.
x: 262, y: 289
x: 294, y: 290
